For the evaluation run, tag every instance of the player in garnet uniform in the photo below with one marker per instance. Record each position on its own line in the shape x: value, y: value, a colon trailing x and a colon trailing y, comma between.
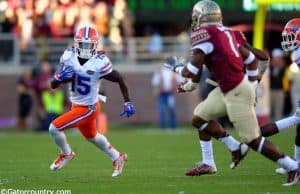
x: 85, y: 67
x: 215, y: 46
x: 208, y: 165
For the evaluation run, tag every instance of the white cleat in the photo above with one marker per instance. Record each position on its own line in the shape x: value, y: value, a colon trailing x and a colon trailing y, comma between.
x: 61, y: 161
x: 281, y: 171
x: 118, y: 164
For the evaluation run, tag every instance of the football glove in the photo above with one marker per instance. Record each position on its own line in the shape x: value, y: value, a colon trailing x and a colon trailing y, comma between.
x: 64, y: 73
x: 188, y: 86
x: 262, y: 67
x: 128, y: 109
x: 173, y: 64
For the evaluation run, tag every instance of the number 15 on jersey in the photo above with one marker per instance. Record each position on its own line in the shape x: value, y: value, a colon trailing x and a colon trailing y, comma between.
x: 81, y: 84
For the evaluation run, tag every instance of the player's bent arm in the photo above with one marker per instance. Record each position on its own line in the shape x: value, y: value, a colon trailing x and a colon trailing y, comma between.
x: 54, y: 84
x: 251, y: 63
x: 263, y: 59
x: 193, y: 69
x: 115, y: 76
x: 260, y: 55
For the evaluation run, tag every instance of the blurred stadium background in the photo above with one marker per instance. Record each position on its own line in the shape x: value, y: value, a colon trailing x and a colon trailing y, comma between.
x: 136, y: 34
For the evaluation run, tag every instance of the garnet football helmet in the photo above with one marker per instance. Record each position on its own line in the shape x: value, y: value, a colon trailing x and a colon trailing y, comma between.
x: 206, y: 11
x: 291, y: 35
x: 85, y: 42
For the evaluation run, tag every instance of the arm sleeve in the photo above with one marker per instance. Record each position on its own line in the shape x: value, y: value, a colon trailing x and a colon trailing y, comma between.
x: 205, y: 47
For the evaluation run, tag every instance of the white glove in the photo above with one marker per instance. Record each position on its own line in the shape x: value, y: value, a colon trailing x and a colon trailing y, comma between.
x: 262, y: 66
x: 172, y: 63
x: 189, y: 86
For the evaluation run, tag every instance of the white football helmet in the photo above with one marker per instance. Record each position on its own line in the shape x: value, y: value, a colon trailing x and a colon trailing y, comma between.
x: 206, y: 11
x: 85, y: 42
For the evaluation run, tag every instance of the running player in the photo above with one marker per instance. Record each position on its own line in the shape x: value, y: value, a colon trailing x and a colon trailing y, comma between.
x: 215, y: 46
x: 208, y: 165
x: 83, y: 66
x: 290, y: 42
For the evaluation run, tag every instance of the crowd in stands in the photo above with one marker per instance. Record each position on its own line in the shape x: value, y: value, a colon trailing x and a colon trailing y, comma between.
x: 29, y: 19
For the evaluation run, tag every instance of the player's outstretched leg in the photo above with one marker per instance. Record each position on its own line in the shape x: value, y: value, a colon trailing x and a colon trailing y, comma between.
x: 118, y: 159
x: 269, y: 150
x: 296, y: 151
x: 213, y: 128
x: 281, y: 125
x: 66, y: 153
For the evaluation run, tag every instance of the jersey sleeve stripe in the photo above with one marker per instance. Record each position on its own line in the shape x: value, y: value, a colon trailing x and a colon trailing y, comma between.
x: 106, y: 65
x: 105, y: 68
x: 106, y: 72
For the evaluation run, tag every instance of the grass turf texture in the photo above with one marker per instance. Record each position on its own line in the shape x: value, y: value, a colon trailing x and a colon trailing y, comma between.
x: 157, y: 161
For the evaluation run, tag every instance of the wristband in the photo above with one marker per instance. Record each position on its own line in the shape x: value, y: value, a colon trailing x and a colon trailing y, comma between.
x: 193, y: 69
x: 249, y: 59
x: 252, y: 72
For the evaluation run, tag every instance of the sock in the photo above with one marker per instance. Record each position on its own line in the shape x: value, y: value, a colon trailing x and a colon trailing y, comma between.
x: 230, y: 142
x: 60, y: 139
x: 286, y: 123
x: 288, y: 163
x: 297, y: 153
x: 207, y: 152
x: 101, y: 142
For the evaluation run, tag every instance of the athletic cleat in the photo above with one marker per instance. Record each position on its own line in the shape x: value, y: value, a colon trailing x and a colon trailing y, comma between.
x: 238, y: 155
x: 61, y: 161
x: 293, y: 177
x: 201, y: 169
x: 281, y: 171
x: 118, y: 164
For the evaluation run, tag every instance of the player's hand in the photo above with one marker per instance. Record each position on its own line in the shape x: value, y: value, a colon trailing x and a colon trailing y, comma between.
x: 128, y: 109
x: 180, y: 89
x: 187, y: 86
x: 262, y: 67
x: 64, y: 73
x: 172, y: 63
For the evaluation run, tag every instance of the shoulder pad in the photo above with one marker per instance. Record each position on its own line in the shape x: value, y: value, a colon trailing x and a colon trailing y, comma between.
x: 240, y: 37
x: 199, y: 35
x: 101, y: 56
x: 67, y: 55
x: 296, y: 56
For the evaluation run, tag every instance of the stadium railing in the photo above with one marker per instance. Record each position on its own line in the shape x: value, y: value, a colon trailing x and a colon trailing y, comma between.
x: 132, y: 52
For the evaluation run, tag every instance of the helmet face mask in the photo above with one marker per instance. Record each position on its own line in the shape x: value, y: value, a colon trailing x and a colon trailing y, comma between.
x: 289, y: 42
x: 85, y: 50
x: 85, y: 42
x: 291, y: 35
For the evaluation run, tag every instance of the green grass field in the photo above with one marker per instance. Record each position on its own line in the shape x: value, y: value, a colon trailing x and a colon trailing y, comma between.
x: 157, y: 161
